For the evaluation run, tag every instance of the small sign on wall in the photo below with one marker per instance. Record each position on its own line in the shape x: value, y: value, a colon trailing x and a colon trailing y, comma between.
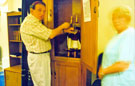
x: 86, y: 10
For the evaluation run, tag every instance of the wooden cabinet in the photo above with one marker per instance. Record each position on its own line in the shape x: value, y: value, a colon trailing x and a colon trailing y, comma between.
x: 13, y: 73
x: 67, y: 72
x: 13, y: 76
x: 70, y: 70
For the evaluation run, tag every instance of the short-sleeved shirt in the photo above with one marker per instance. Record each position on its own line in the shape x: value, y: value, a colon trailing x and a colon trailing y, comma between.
x: 35, y: 35
x: 120, y: 48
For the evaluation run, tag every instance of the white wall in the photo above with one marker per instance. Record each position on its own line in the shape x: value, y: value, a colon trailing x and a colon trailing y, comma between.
x: 11, y: 5
x: 106, y: 30
x: 4, y: 40
x: 14, y: 5
x: 4, y: 36
x: 0, y: 36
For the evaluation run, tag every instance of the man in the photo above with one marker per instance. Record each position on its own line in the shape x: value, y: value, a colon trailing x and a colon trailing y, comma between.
x: 36, y: 38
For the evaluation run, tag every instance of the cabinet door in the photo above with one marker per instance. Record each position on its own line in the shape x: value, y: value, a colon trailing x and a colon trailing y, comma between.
x: 68, y: 74
x: 89, y: 39
x: 19, y: 79
x: 11, y: 78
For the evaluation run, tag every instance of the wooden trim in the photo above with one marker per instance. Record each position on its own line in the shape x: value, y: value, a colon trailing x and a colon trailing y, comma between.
x: 14, y: 14
x: 66, y: 59
x: 16, y: 57
x: 88, y: 67
x: 83, y: 75
x: 14, y: 24
x: 15, y: 41
x: 16, y: 69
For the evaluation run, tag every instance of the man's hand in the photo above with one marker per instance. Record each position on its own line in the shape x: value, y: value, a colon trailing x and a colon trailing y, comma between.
x: 65, y: 25
x: 69, y: 30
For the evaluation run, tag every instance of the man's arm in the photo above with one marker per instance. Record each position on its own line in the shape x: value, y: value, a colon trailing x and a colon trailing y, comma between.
x: 60, y: 30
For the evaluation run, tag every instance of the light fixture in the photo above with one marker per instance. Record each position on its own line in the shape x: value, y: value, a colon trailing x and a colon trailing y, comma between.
x: 2, y: 2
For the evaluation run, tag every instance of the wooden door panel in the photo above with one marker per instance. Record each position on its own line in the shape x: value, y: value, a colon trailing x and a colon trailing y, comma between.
x: 72, y: 78
x: 11, y: 78
x: 68, y: 74
x: 89, y: 38
x: 60, y: 75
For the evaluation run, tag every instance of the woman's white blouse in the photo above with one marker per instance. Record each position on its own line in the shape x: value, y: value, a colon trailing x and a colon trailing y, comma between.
x: 120, y: 48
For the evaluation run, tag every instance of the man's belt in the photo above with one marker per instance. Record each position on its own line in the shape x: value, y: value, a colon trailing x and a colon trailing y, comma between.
x: 41, y: 52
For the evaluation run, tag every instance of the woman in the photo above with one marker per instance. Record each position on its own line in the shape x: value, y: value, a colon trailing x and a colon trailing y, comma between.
x: 118, y: 64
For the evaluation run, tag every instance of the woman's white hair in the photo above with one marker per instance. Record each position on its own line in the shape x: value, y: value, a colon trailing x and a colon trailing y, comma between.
x: 122, y: 11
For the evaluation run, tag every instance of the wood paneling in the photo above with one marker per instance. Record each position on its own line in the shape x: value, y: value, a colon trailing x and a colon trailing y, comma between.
x: 49, y: 17
x: 89, y: 40
x: 13, y: 76
x: 68, y: 73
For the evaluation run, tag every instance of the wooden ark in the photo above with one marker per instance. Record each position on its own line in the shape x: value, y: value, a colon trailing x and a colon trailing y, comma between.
x: 70, y: 70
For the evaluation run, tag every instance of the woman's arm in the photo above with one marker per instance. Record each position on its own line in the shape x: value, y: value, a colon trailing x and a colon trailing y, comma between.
x: 116, y: 67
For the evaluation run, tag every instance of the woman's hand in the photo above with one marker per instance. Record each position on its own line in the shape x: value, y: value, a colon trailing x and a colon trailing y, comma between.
x: 100, y: 73
x: 114, y: 68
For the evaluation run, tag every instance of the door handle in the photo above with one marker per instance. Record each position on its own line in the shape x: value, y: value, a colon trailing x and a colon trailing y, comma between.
x: 95, y: 10
x: 54, y: 75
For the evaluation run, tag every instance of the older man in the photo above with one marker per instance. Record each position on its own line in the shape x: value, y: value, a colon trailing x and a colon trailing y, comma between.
x: 36, y: 38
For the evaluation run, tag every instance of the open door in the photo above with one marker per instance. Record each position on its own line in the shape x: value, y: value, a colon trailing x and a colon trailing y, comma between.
x: 89, y: 40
